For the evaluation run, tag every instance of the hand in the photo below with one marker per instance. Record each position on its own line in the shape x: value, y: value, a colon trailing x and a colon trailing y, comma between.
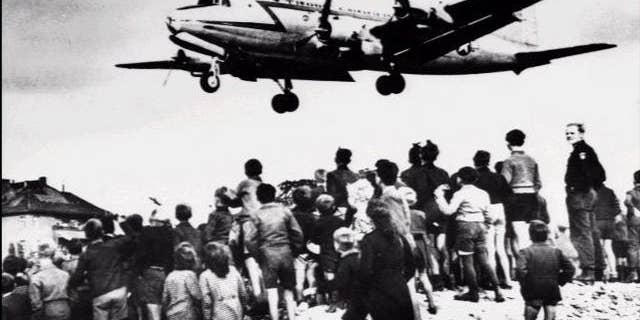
x: 439, y: 192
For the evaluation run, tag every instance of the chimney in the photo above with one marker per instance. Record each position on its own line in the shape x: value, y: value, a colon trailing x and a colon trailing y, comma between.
x: 43, y: 180
x: 63, y: 188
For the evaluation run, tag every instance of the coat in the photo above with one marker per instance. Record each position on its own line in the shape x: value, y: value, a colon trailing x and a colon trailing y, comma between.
x: 541, y: 270
x: 385, y: 267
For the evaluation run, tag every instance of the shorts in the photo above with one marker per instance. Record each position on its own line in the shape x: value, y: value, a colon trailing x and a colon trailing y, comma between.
x: 471, y: 237
x: 276, y: 264
x: 537, y: 303
x: 149, y: 286
x: 620, y: 248
x: 521, y: 207
x: 605, y: 228
x: 111, y: 305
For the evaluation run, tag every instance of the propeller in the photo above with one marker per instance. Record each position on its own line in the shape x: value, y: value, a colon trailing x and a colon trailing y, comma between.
x: 323, y: 30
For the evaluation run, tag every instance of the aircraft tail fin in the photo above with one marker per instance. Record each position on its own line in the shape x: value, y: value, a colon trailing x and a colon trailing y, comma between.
x: 537, y: 58
x: 523, y: 32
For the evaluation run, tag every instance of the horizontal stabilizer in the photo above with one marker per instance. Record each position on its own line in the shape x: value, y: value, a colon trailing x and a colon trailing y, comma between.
x: 537, y: 58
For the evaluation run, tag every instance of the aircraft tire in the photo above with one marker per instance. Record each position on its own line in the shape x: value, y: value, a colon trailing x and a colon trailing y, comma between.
x: 384, y: 85
x: 210, y: 82
x: 291, y: 101
x: 278, y: 103
x: 397, y: 83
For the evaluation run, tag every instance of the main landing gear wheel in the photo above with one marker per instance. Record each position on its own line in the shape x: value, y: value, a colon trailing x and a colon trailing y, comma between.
x: 210, y: 82
x: 388, y: 84
x: 285, y: 102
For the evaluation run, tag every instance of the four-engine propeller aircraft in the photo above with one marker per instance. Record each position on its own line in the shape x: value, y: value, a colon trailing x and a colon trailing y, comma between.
x: 319, y: 40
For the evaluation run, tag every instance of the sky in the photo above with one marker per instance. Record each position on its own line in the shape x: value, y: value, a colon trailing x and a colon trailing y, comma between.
x: 116, y: 136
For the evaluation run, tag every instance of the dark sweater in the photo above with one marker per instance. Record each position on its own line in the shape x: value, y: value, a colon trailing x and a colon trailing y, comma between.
x: 584, y: 170
x: 494, y: 184
x: 608, y: 205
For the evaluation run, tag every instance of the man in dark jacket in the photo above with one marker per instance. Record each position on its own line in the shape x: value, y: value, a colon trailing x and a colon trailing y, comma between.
x: 184, y: 231
x: 584, y: 175
x: 338, y: 179
x: 15, y: 300
x: 275, y: 241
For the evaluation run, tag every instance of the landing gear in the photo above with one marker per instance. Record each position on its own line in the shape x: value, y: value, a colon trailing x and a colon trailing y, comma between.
x: 388, y: 84
x: 210, y: 81
x: 287, y: 101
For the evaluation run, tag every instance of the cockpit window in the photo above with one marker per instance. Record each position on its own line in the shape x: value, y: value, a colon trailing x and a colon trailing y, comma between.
x: 225, y: 3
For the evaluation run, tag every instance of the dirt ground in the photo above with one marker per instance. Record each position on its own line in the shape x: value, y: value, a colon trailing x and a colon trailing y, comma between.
x: 584, y: 302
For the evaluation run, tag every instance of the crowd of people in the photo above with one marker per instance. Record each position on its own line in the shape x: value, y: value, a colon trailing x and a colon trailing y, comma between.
x: 365, y: 242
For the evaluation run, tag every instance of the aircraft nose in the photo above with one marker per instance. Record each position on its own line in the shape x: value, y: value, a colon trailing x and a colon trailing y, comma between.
x: 172, y: 24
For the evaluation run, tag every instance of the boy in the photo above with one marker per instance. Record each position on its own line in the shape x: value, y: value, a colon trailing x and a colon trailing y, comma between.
x: 632, y: 202
x: 470, y: 205
x: 541, y: 270
x: 347, y: 272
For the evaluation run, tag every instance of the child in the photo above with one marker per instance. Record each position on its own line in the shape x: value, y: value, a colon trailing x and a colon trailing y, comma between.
x: 541, y: 270
x: 347, y: 273
x: 323, y: 236
x: 470, y: 205
x: 223, y: 290
x: 181, y: 296
x: 632, y: 202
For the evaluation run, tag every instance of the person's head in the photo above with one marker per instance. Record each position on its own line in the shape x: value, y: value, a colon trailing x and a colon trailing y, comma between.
x: 409, y: 195
x: 636, y: 177
x: 8, y: 283
x: 216, y: 259
x: 430, y: 152
x: 158, y: 218
x: 515, y: 138
x: 325, y: 204
x: 184, y: 258
x: 222, y: 198
x: 498, y: 166
x: 344, y: 239
x: 467, y: 175
x: 481, y: 159
x: 93, y: 229
x: 380, y: 215
x: 302, y: 197
x: 108, y: 225
x: 266, y: 193
x: 538, y: 231
x: 343, y: 156
x: 320, y: 176
x: 414, y: 154
x: 46, y: 251
x: 252, y: 168
x: 574, y: 132
x: 74, y: 247
x: 12, y: 249
x: 387, y: 171
x: 135, y: 222
x: 183, y: 212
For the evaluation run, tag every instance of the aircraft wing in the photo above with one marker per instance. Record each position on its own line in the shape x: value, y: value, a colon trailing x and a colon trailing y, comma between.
x: 191, y: 66
x: 471, y: 19
x: 537, y: 58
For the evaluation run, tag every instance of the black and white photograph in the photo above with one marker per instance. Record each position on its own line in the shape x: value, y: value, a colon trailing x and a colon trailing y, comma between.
x: 320, y: 159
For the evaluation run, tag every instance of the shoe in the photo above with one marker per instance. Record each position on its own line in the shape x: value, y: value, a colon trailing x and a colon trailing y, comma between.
x: 432, y: 309
x: 587, y: 276
x: 468, y: 296
x: 499, y: 298
x: 332, y: 308
x: 506, y: 286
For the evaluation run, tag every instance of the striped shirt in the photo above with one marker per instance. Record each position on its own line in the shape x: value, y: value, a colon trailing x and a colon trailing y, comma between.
x: 181, y: 295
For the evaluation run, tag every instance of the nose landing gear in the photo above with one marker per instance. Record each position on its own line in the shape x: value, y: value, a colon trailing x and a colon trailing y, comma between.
x: 392, y: 83
x: 286, y: 101
x: 210, y: 81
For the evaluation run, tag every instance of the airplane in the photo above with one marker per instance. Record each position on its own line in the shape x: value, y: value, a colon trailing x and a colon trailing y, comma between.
x: 318, y: 40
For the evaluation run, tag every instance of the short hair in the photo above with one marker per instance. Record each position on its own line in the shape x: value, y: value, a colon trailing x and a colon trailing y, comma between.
x: 578, y: 125
x: 8, y: 283
x: 320, y: 175
x: 253, y: 167
x: 430, y: 151
x: 414, y: 154
x: 387, y: 171
x: 266, y: 193
x: 538, y: 231
x: 216, y: 259
x: 301, y: 197
x: 515, y: 137
x: 468, y: 175
x: 108, y: 225
x: 45, y: 250
x: 498, y: 166
x: 93, y: 229
x: 343, y: 156
x: 74, y: 246
x: 481, y: 158
x: 184, y: 258
x: 183, y: 212
x: 135, y: 222
x: 221, y: 194
x: 345, y: 238
x: 636, y: 177
x: 325, y: 203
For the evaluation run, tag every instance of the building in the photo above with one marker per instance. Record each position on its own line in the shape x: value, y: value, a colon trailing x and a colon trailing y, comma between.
x: 34, y: 212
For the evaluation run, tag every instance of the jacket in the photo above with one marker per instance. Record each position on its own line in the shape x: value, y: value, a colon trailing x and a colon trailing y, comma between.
x: 155, y: 248
x: 521, y: 172
x: 47, y: 285
x: 274, y: 226
x: 607, y: 207
x: 185, y: 232
x: 218, y: 227
x: 541, y: 270
x: 494, y: 184
x: 584, y: 170
x: 337, y: 181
